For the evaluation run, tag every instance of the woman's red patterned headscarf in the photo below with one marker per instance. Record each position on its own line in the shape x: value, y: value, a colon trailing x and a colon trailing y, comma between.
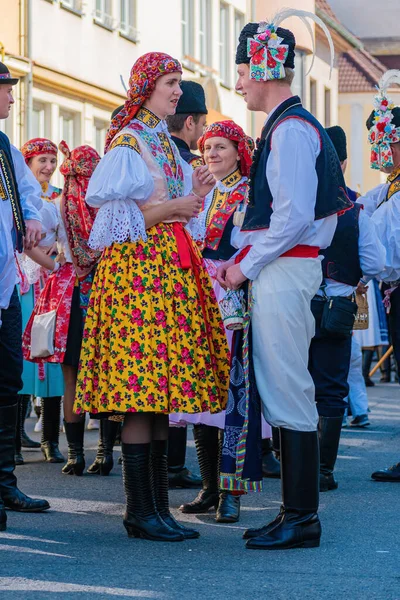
x: 144, y: 74
x: 233, y: 132
x: 36, y: 147
x: 77, y: 167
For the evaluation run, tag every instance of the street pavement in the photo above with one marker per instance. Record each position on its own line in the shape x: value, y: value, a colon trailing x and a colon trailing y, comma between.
x: 80, y: 550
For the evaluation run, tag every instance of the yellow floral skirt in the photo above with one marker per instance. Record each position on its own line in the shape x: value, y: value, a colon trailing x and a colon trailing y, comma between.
x: 147, y: 346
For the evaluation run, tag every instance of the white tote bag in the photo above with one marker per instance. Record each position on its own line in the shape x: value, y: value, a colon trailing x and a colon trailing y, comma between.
x: 42, y: 334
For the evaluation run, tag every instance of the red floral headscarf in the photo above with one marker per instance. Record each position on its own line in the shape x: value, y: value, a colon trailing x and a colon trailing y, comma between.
x: 36, y: 147
x: 231, y: 131
x: 77, y: 167
x: 144, y: 74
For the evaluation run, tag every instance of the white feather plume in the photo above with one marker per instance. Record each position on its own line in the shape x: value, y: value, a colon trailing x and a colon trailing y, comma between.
x: 389, y: 78
x: 303, y: 15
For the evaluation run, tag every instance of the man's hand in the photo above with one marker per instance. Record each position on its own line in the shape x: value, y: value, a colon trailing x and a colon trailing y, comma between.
x: 221, y: 272
x: 234, y: 277
x: 361, y: 288
x: 203, y: 181
x: 33, y: 234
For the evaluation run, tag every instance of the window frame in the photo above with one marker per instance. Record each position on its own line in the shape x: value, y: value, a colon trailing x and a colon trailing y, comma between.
x: 102, y: 17
x: 224, y: 45
x: 129, y: 31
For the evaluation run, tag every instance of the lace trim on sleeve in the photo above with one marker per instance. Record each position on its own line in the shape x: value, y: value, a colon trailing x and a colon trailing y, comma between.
x: 117, y: 221
x: 197, y: 227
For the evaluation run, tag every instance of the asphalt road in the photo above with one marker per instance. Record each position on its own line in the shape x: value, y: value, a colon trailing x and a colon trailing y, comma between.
x: 79, y: 549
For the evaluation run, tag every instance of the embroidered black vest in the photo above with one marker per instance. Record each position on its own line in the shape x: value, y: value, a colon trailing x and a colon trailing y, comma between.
x: 342, y: 259
x: 225, y: 250
x: 11, y: 193
x: 331, y: 190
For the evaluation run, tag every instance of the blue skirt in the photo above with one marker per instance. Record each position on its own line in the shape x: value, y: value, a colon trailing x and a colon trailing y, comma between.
x: 53, y: 383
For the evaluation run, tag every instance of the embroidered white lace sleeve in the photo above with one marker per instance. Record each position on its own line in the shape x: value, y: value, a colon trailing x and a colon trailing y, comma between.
x: 121, y: 174
x: 117, y: 221
x: 197, y: 226
x: 188, y: 175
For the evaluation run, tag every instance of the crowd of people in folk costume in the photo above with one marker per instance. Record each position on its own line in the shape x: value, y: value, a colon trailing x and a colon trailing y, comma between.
x: 161, y: 288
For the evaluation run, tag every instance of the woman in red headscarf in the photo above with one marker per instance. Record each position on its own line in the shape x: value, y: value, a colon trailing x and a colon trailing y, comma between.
x: 43, y: 381
x: 67, y: 292
x: 153, y: 341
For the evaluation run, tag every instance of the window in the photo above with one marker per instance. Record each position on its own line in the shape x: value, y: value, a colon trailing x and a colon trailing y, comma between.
x: 74, y: 5
x: 313, y: 97
x: 327, y: 107
x: 38, y: 119
x: 239, y: 24
x: 187, y: 29
x: 205, y: 32
x: 298, y: 81
x: 104, y: 13
x: 99, y: 135
x: 224, y: 55
x: 67, y: 129
x: 128, y: 19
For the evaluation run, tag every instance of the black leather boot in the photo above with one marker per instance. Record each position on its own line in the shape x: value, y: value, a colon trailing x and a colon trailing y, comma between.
x: 51, y: 410
x: 299, y: 526
x: 329, y: 430
x: 26, y: 441
x: 386, y: 369
x: 19, y: 459
x: 12, y: 497
x: 207, y: 446
x: 228, y: 510
x: 389, y: 474
x: 141, y: 518
x: 179, y: 476
x: 104, y: 462
x: 367, y: 356
x: 76, y: 459
x: 271, y: 467
x: 276, y: 442
x: 159, y: 463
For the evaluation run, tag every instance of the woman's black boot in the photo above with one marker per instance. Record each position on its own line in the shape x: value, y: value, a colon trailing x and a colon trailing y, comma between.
x: 367, y: 356
x: 228, y: 510
x: 159, y: 461
x: 51, y: 411
x: 76, y: 458
x: 178, y: 474
x: 271, y: 467
x: 207, y: 446
x: 26, y: 441
x: 141, y: 518
x: 298, y: 526
x: 104, y: 462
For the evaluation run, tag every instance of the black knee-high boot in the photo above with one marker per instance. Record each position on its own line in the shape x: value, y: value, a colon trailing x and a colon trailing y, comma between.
x: 76, y: 459
x: 329, y: 430
x: 141, y: 518
x: 19, y: 459
x: 104, y: 462
x: 12, y: 497
x: 367, y: 356
x: 159, y: 463
x: 26, y: 441
x: 51, y: 411
x: 299, y: 525
x: 207, y: 446
x: 178, y: 474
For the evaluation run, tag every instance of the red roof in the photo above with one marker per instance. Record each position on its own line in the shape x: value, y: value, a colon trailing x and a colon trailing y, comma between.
x: 359, y: 71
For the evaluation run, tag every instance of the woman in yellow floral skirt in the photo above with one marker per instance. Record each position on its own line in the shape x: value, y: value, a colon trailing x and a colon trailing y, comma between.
x: 153, y: 342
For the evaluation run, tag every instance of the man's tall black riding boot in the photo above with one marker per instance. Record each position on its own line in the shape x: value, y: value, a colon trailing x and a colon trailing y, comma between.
x: 11, y: 496
x: 276, y: 441
x: 159, y: 467
x: 76, y: 459
x: 104, y: 461
x: 299, y: 525
x: 26, y: 441
x: 142, y: 519
x: 51, y: 411
x: 329, y: 430
x: 207, y: 446
x: 178, y: 474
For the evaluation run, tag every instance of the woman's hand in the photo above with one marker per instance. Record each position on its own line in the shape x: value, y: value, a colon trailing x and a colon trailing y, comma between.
x: 203, y: 181
x: 221, y: 272
x: 187, y: 207
x: 53, y: 249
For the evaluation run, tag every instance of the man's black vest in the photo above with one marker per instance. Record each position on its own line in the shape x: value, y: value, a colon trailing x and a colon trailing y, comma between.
x: 194, y: 160
x: 342, y: 259
x: 225, y: 250
x: 331, y: 190
x: 11, y: 192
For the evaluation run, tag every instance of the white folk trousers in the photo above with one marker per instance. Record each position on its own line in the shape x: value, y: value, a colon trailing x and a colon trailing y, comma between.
x: 282, y: 329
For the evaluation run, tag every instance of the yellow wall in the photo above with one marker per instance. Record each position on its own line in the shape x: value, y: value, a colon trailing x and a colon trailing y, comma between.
x: 9, y: 26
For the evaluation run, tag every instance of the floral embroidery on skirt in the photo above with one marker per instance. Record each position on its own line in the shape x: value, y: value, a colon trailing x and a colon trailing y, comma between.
x: 145, y: 346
